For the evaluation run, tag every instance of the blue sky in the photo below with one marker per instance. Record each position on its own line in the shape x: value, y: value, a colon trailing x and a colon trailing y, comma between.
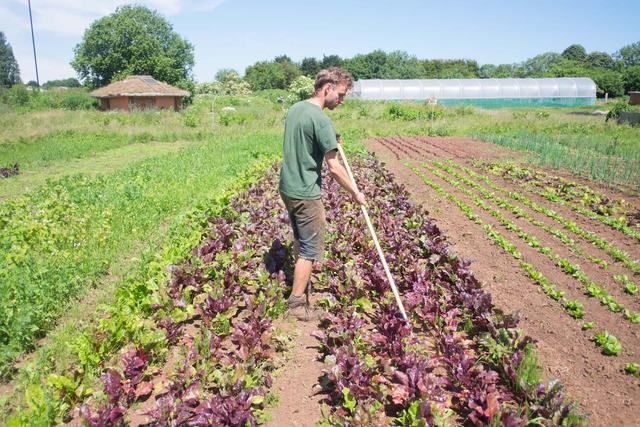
x: 237, y: 33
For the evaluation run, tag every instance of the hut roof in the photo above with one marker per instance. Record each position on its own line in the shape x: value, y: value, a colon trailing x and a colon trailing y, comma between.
x: 138, y: 86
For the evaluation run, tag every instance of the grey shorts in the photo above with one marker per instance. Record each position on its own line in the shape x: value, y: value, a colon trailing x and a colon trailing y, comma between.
x: 308, y: 223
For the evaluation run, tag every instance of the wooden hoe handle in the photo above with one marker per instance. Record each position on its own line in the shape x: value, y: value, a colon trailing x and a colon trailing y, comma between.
x: 375, y: 238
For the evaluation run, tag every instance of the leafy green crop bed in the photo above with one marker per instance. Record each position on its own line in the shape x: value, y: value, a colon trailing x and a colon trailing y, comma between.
x: 59, y: 240
x: 459, y: 360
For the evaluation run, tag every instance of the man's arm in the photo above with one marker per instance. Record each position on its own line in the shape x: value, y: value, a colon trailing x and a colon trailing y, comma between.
x: 339, y: 173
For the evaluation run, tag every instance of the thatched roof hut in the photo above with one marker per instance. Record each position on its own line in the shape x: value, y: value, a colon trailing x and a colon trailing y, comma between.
x: 140, y: 92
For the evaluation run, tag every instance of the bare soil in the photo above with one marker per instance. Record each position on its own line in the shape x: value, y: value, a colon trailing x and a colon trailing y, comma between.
x: 605, y: 393
x: 296, y: 383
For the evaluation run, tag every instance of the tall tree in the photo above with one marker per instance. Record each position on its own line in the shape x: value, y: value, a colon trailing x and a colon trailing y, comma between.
x: 632, y: 78
x: 70, y: 82
x: 9, y: 70
x: 331, y: 61
x: 133, y: 40
x: 289, y: 68
x: 490, y: 71
x: 367, y: 66
x: 449, y: 69
x: 271, y: 74
x: 575, y: 52
x: 600, y: 60
x: 629, y: 54
x: 538, y: 66
x: 310, y: 67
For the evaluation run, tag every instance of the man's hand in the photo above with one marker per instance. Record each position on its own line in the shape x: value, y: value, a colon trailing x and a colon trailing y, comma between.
x: 359, y: 198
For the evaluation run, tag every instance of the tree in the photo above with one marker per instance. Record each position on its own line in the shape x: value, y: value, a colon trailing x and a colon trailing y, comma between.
x: 449, y: 69
x: 608, y: 81
x: 490, y: 71
x: 282, y: 59
x: 301, y: 88
x: 272, y: 74
x: 331, y: 61
x: 70, y: 82
x: 632, y: 78
x: 600, y: 60
x: 227, y: 74
x: 133, y: 40
x: 290, y: 69
x: 629, y: 54
x: 568, y: 68
x: 575, y: 52
x: 9, y: 70
x: 401, y: 65
x: 310, y: 67
x: 538, y: 66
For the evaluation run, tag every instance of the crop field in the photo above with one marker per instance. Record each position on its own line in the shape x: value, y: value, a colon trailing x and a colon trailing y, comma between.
x: 562, y: 253
x: 146, y: 261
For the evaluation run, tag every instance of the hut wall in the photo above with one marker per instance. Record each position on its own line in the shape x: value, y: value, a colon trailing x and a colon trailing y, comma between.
x: 165, y: 102
x: 119, y: 103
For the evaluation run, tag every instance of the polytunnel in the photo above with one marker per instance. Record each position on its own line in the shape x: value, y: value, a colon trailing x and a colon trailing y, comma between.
x: 487, y: 93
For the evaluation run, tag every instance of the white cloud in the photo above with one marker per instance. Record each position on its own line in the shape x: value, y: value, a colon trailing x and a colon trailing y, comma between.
x: 72, y: 17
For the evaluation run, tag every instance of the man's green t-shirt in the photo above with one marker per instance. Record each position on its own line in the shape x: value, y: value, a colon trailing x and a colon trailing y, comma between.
x: 308, y: 136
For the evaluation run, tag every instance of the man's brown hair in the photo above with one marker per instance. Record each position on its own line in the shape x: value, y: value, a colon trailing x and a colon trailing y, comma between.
x: 333, y: 75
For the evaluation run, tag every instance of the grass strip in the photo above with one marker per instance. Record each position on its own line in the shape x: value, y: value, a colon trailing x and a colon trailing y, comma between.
x: 618, y: 166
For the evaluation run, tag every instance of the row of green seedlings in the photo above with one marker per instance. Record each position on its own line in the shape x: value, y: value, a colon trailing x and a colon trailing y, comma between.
x: 609, y: 343
x: 572, y: 191
x: 458, y: 357
x: 573, y: 270
x: 520, y: 213
x: 597, y: 201
x: 628, y: 286
x: 131, y: 322
x: 620, y: 223
x: 608, y: 247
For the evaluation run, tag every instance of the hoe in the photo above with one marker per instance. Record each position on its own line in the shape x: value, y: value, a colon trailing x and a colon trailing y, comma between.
x: 375, y: 238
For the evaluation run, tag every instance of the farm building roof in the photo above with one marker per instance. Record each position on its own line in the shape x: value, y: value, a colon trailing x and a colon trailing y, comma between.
x: 138, y: 86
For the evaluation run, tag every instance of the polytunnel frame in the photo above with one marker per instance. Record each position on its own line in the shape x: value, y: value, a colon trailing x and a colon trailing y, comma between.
x: 561, y: 91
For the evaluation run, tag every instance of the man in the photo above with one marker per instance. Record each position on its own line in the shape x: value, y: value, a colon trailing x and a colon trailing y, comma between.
x: 309, y: 138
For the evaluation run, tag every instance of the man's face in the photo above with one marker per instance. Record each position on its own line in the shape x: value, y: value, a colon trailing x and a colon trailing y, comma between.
x: 335, y: 96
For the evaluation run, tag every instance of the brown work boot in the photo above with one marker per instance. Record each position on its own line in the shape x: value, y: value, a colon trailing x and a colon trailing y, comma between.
x: 300, y: 309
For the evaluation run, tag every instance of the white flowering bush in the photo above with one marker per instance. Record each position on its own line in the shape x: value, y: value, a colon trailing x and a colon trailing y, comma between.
x: 301, y: 88
x: 231, y: 85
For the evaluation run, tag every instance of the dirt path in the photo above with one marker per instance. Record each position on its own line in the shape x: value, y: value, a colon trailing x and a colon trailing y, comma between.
x: 296, y: 384
x: 605, y: 392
